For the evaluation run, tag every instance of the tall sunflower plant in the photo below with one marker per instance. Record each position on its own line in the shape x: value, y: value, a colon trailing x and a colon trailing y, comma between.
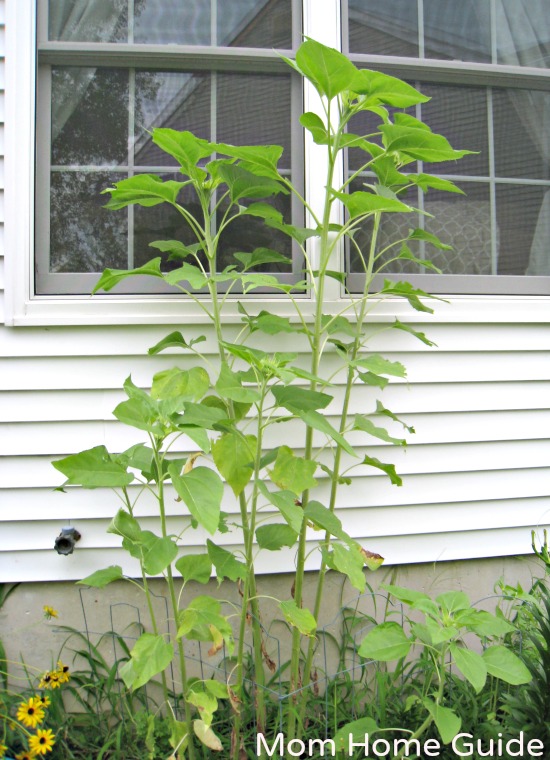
x: 227, y: 410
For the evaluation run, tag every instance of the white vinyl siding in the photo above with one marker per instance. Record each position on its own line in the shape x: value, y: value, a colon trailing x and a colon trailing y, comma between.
x: 476, y: 473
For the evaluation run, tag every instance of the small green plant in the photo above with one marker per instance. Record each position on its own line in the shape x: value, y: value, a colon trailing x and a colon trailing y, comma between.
x: 444, y: 629
x: 221, y: 412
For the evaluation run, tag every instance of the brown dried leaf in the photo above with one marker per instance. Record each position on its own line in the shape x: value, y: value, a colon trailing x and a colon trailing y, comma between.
x: 190, y: 462
x: 267, y: 659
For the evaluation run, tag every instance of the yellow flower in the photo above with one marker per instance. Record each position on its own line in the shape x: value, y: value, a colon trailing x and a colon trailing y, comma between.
x: 25, y: 756
x: 30, y: 713
x: 46, y: 701
x: 3, y: 749
x: 49, y: 612
x: 63, y: 672
x: 42, y: 742
x: 50, y: 680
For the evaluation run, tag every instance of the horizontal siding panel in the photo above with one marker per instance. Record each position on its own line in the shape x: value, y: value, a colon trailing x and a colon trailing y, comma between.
x: 134, y: 341
x: 432, y: 547
x: 68, y: 437
x: 90, y: 405
x: 101, y: 372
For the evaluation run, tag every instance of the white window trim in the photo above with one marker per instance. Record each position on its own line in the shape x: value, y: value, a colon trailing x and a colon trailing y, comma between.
x: 23, y: 308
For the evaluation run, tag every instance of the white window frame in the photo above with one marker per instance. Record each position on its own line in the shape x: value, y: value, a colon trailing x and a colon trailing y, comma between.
x: 322, y: 21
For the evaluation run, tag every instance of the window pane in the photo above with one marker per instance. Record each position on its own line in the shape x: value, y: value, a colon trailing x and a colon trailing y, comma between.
x: 255, y: 23
x: 521, y: 128
x: 459, y: 113
x: 89, y: 116
x: 523, y: 32
x: 88, y: 20
x: 523, y: 219
x: 172, y: 22
x: 84, y: 236
x: 254, y: 109
x: 457, y: 30
x: 176, y: 100
x: 383, y: 28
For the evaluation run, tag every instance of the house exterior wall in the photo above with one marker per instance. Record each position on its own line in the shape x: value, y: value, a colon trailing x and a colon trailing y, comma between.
x: 476, y: 473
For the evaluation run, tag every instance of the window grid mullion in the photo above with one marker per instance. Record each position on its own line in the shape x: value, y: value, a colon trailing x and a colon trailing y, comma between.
x: 492, y: 177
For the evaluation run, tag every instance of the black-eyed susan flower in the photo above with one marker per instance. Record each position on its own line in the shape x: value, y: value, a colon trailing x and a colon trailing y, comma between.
x: 49, y: 612
x: 25, y: 756
x: 44, y: 699
x: 30, y: 713
x: 3, y: 750
x: 50, y: 680
x: 42, y: 742
x: 63, y: 672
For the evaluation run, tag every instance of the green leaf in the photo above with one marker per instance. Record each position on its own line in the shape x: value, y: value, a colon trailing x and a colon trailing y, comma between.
x: 206, y: 704
x: 203, y: 621
x: 504, y: 664
x: 260, y: 256
x: 271, y: 324
x: 452, y: 601
x: 315, y: 125
x: 300, y: 234
x: 93, y: 468
x: 448, y: 723
x: 406, y: 595
x: 112, y: 277
x: 389, y: 469
x: 150, y: 655
x: 349, y: 561
x: 299, y: 617
x: 323, y: 518
x: 381, y: 409
x: 337, y: 324
x: 190, y: 385
x: 385, y: 642
x: 380, y: 366
x: 362, y: 203
x: 158, y: 552
x: 382, y: 89
x: 471, y: 665
x: 174, y: 340
x: 293, y: 473
x: 201, y: 490
x: 175, y: 248
x: 354, y: 731
x: 405, y: 254
x: 484, y: 623
x: 285, y: 501
x: 141, y: 413
x: 234, y: 457
x: 245, y: 184
x: 408, y: 292
x: 229, y: 386
x: 206, y: 736
x: 123, y: 524
x: 187, y: 273
x: 428, y: 237
x: 369, y: 378
x: 217, y: 689
x: 263, y: 211
x: 426, y: 181
x: 274, y: 537
x: 397, y: 325
x: 195, y: 567
x: 297, y: 399
x: 261, y: 160
x: 329, y: 71
x: 143, y: 190
x: 419, y: 144
x: 185, y: 147
x: 225, y: 563
x: 203, y: 415
x: 102, y: 578
x: 364, y: 424
x: 139, y: 457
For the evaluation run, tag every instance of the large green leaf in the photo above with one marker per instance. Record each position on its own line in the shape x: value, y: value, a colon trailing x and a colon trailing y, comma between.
x: 315, y: 125
x: 293, y: 473
x: 504, y: 664
x: 299, y: 617
x: 397, y: 325
x: 206, y: 735
x: 112, y: 277
x: 229, y: 385
x: 419, y: 144
x: 361, y: 203
x: 174, y: 340
x: 205, y: 703
x: 102, y: 578
x: 406, y: 595
x: 234, y: 456
x: 484, y: 623
x: 385, y: 642
x: 329, y: 71
x: 93, y: 468
x: 141, y: 413
x: 353, y: 734
x: 382, y: 89
x: 203, y: 415
x: 195, y: 567
x: 323, y: 518
x: 389, y: 469
x: 364, y: 424
x: 285, y: 501
x: 258, y: 159
x: 447, y: 721
x: 274, y: 537
x: 201, y: 490
x: 320, y: 422
x: 125, y: 525
x: 190, y: 385
x: 158, y: 552
x: 150, y: 655
x: 143, y: 190
x: 297, y: 399
x: 260, y: 256
x: 349, y: 561
x: 185, y: 147
x: 187, y: 273
x: 408, y: 292
x: 245, y: 184
x: 202, y: 620
x: 225, y: 563
x: 452, y: 601
x: 471, y: 665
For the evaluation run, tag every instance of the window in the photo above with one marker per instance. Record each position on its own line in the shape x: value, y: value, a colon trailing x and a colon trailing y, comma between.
x: 486, y: 64
x: 111, y: 70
